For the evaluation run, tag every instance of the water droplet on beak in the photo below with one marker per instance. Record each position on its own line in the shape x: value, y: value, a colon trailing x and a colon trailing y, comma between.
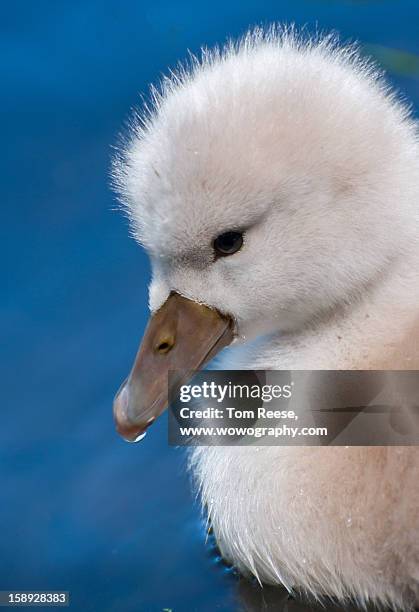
x: 140, y: 437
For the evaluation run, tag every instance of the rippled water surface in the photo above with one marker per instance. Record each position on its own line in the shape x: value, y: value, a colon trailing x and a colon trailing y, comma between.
x: 80, y: 510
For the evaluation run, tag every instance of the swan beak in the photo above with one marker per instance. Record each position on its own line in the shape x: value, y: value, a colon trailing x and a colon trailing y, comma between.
x: 181, y: 335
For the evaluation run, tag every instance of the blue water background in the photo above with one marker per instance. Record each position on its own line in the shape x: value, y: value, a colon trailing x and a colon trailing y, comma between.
x: 81, y: 510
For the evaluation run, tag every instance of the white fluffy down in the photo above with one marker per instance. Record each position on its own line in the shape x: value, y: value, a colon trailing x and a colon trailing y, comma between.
x: 302, y: 146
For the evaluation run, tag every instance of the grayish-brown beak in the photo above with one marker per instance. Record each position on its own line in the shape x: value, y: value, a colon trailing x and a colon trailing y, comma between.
x: 181, y: 335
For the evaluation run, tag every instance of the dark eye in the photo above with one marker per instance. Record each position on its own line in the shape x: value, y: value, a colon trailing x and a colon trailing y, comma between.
x: 228, y: 243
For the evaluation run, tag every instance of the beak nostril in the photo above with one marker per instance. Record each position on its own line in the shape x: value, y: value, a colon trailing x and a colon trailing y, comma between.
x: 164, y: 346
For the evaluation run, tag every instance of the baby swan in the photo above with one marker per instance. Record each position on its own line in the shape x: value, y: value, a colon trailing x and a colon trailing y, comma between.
x: 277, y: 182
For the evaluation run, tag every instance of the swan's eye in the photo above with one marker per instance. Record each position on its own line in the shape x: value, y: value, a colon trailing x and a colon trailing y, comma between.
x: 228, y: 243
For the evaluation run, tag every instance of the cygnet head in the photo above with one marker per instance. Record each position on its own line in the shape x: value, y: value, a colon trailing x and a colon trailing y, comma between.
x: 300, y: 153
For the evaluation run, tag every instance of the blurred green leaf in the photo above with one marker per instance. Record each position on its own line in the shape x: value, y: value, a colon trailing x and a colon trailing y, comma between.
x: 394, y: 60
